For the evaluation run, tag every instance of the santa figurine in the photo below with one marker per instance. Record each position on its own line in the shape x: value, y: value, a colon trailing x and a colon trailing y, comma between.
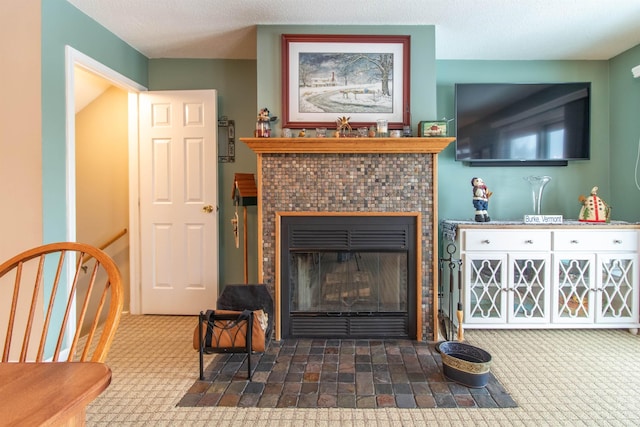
x: 480, y: 199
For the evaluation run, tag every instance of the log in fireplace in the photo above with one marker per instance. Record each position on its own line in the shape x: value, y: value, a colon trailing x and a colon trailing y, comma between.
x: 348, y: 276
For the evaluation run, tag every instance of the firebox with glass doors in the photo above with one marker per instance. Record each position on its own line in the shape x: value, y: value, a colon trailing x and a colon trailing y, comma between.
x: 348, y: 276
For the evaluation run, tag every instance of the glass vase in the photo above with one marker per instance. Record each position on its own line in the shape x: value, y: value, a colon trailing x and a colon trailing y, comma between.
x: 537, y: 189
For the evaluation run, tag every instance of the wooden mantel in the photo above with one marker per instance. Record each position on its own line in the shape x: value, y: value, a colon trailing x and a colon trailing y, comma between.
x: 347, y: 145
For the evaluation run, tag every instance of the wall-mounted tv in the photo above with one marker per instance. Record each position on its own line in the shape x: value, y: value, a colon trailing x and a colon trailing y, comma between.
x: 520, y: 124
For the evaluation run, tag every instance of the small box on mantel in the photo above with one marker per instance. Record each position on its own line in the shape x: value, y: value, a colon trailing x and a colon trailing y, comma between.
x: 432, y: 128
x: 543, y: 219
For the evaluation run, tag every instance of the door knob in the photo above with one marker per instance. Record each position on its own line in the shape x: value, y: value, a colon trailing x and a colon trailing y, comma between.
x: 207, y: 209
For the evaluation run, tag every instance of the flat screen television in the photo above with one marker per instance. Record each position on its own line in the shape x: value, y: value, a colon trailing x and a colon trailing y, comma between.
x: 522, y: 124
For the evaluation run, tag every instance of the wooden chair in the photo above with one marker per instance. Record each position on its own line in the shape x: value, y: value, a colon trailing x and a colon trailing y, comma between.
x: 51, y: 290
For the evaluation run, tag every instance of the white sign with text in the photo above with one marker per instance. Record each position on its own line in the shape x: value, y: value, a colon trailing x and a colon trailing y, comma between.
x: 543, y: 219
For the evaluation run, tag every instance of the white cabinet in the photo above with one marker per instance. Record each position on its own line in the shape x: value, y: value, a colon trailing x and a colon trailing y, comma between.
x: 573, y: 281
x: 559, y: 276
x: 595, y: 282
x: 485, y: 277
x: 504, y: 277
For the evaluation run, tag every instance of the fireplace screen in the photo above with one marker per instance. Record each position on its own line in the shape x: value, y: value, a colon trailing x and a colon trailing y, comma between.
x: 348, y: 276
x: 348, y: 282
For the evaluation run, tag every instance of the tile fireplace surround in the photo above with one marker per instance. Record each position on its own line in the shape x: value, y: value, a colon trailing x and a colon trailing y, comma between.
x: 349, y: 176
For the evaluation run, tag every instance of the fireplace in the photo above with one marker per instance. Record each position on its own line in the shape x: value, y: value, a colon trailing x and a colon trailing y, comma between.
x: 357, y: 177
x: 348, y: 276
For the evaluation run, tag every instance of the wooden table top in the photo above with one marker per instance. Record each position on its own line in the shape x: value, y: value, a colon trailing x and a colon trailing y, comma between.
x: 49, y: 393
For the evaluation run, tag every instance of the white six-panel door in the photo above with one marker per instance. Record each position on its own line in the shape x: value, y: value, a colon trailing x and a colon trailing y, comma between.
x: 178, y: 201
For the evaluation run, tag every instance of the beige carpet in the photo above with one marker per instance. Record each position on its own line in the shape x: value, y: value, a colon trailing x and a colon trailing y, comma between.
x: 557, y: 377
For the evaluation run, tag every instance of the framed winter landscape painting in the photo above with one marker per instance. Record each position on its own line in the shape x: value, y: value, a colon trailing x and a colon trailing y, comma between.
x: 363, y: 77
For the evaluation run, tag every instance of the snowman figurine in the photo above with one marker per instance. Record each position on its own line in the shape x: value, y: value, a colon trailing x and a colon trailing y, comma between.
x: 593, y: 208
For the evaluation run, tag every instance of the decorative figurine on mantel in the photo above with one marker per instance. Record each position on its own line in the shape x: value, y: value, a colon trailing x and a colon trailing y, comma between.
x: 593, y: 209
x: 343, y: 125
x: 480, y: 199
x: 263, y: 124
x: 264, y: 115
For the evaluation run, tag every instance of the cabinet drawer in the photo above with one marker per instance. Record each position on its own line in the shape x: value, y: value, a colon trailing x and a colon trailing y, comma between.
x: 507, y: 240
x: 595, y: 240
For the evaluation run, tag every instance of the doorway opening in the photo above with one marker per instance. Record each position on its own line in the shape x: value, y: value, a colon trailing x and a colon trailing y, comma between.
x: 85, y: 72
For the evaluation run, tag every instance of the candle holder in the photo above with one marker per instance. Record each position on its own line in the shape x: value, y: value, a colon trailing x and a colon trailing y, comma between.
x: 382, y: 128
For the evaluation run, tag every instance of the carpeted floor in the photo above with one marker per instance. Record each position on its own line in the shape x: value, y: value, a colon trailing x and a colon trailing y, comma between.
x: 558, y: 377
x: 318, y: 373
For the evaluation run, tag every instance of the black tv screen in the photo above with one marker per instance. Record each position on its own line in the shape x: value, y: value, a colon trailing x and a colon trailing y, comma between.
x: 522, y: 124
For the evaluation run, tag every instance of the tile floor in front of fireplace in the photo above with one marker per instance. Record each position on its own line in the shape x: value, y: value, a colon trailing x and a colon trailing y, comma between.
x: 321, y: 373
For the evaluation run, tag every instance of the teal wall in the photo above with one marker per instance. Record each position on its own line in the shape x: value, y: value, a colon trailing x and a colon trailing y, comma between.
x: 512, y: 197
x: 235, y: 82
x: 422, y: 62
x: 63, y: 24
x: 625, y: 135
x: 244, y: 86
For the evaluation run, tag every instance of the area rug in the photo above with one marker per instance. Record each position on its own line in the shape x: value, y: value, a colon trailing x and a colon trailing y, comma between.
x: 319, y: 373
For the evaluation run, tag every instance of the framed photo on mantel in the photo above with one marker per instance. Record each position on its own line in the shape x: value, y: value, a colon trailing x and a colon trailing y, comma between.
x: 432, y: 128
x: 362, y: 77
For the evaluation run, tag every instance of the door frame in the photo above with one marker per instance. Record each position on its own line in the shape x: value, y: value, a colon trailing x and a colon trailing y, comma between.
x: 73, y: 58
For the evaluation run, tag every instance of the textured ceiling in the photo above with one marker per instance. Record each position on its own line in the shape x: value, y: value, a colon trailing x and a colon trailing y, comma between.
x: 465, y: 29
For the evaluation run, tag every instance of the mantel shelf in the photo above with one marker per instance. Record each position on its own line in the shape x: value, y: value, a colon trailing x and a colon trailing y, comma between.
x: 347, y: 145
